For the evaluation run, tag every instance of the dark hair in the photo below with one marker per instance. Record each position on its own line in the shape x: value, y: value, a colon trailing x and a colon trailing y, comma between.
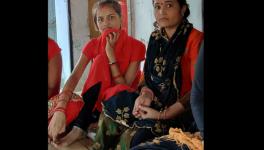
x: 182, y: 3
x: 112, y: 3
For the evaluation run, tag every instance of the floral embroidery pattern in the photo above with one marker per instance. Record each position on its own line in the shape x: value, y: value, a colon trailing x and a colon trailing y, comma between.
x: 156, y: 34
x: 123, y: 115
x: 159, y: 65
x: 157, y: 127
x: 157, y: 102
x: 178, y: 59
x: 50, y: 104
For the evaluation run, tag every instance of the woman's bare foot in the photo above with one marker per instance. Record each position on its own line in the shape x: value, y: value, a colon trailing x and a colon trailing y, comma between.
x: 75, y: 134
x: 88, y: 142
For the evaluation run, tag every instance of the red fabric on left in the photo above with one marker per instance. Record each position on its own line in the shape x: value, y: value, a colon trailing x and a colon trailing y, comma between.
x: 72, y: 110
x: 53, y: 48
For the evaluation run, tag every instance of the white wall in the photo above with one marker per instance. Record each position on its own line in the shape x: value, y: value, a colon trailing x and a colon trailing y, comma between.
x: 142, y: 19
x: 196, y: 16
x: 79, y: 25
x: 80, y: 33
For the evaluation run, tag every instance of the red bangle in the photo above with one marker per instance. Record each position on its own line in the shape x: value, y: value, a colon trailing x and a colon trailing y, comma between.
x: 61, y: 109
x: 118, y: 76
x: 65, y: 94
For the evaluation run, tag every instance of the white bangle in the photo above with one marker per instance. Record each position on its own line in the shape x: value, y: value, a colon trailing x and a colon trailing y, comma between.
x: 111, y: 63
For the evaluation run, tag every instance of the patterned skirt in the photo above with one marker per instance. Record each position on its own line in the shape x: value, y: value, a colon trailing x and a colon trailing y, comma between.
x: 119, y: 129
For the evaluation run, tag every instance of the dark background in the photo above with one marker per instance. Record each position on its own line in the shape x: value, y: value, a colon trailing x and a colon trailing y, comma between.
x: 233, y: 74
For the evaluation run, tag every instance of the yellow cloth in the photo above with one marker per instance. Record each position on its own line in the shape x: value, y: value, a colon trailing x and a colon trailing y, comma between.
x: 193, y: 141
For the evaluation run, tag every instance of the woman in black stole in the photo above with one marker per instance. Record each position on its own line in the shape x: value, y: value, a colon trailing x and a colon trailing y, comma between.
x: 163, y: 99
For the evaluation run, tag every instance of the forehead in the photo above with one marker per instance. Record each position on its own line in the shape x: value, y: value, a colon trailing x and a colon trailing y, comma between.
x: 163, y: 1
x: 105, y: 10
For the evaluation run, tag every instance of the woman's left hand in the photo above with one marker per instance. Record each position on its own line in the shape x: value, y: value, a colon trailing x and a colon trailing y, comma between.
x: 111, y: 39
x: 143, y: 100
x: 148, y: 113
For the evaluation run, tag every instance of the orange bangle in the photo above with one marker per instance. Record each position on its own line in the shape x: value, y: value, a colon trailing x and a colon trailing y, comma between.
x: 118, y: 76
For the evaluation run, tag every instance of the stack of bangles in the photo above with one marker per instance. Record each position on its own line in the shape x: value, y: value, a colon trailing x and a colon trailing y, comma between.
x: 66, y: 93
x: 160, y: 117
x: 61, y: 109
x: 148, y: 91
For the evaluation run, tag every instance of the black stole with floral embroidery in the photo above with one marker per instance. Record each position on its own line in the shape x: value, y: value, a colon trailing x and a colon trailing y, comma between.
x: 162, y: 67
x: 162, y: 74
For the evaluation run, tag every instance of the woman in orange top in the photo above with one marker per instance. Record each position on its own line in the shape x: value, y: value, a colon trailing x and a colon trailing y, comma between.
x: 115, y: 65
x: 54, y: 68
x: 164, y: 100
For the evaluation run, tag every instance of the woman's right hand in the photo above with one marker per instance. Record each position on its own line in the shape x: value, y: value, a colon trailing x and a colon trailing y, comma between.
x: 109, y: 47
x: 144, y: 100
x: 57, y: 125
